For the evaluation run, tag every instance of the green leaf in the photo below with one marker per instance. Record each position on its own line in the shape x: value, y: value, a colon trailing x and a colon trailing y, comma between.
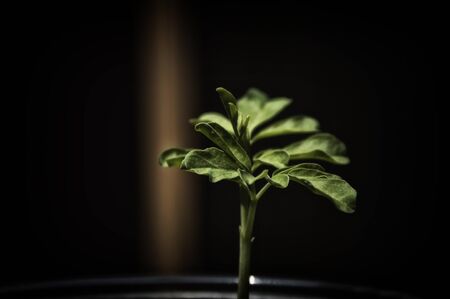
x: 216, y: 118
x: 293, y: 125
x: 235, y: 116
x: 260, y: 109
x: 322, y: 146
x: 253, y: 92
x: 325, y: 184
x: 279, y: 180
x: 228, y: 99
x: 242, y: 130
x: 212, y: 162
x: 301, y: 165
x: 277, y: 158
x: 243, y: 125
x: 173, y: 157
x: 223, y: 139
x: 250, y: 179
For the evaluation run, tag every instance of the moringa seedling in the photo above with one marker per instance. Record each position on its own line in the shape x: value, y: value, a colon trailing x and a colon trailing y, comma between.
x: 235, y: 133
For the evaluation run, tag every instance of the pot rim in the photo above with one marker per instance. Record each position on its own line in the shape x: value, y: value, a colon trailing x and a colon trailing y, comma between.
x: 228, y: 283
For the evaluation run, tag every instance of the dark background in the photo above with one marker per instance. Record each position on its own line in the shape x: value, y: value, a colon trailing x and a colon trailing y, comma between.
x: 368, y: 73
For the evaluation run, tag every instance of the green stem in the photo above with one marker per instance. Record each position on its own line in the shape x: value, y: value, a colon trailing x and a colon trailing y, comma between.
x: 262, y: 191
x: 244, y: 205
x: 245, y: 244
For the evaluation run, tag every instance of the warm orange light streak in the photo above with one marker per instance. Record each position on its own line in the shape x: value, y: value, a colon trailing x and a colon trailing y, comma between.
x: 169, y: 194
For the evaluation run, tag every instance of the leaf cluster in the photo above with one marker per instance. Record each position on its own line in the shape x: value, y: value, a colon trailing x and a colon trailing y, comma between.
x: 246, y: 122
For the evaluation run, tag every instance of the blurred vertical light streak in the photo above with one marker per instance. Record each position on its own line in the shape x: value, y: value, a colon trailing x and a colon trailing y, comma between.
x: 169, y: 194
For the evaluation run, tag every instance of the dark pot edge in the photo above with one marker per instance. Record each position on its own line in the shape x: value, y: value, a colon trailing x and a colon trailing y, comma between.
x: 196, y: 281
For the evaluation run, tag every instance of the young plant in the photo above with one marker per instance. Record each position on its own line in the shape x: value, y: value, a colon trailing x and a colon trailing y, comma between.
x: 236, y: 133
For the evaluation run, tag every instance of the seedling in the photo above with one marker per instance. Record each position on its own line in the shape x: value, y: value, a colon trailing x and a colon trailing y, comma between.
x: 236, y: 133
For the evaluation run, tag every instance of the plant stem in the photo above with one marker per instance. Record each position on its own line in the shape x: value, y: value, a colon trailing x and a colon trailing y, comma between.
x: 245, y: 245
x: 244, y: 198
x: 244, y: 268
x: 262, y: 191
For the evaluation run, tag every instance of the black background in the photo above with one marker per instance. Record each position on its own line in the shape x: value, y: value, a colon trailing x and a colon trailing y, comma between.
x: 368, y: 73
